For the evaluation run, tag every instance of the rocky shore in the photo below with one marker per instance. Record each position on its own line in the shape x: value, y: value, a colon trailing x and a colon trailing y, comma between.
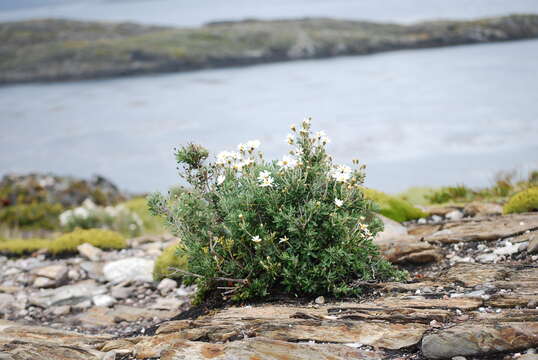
x: 52, y: 50
x: 473, y: 294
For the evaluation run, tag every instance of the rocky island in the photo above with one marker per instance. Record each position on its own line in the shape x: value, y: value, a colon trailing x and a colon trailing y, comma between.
x: 53, y: 50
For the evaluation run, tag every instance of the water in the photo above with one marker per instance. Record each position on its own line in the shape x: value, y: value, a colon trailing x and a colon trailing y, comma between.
x: 418, y: 117
x: 196, y: 12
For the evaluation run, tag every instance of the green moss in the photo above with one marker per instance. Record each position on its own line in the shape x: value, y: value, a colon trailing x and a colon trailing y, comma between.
x: 104, y: 239
x: 393, y: 207
x: 32, y: 216
x: 524, y: 201
x: 66, y: 243
x: 23, y: 246
x: 168, y: 258
x: 151, y: 224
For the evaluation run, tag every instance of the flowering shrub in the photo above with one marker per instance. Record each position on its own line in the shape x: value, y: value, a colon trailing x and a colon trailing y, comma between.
x: 90, y: 216
x: 252, y: 227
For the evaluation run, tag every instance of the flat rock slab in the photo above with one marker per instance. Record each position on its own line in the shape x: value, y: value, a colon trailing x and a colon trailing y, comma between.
x: 475, y: 339
x: 41, y: 343
x: 408, y: 249
x: 485, y: 229
x: 68, y: 294
x: 168, y: 347
x: 102, y: 316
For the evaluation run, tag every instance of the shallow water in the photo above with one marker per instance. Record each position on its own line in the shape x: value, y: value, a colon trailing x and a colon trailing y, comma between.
x: 432, y: 117
x: 191, y: 13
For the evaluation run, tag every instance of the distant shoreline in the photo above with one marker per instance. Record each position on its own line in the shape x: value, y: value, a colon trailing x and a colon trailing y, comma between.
x: 61, y: 50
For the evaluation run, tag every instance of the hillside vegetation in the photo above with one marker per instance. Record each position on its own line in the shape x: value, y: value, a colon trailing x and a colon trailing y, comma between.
x: 47, y: 50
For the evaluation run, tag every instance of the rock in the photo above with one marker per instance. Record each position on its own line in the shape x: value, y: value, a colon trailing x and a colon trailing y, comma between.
x: 408, y: 249
x: 121, y: 292
x: 40, y: 343
x: 90, y: 252
x: 56, y: 272
x: 476, y: 208
x: 459, y: 358
x: 454, y: 215
x: 480, y: 339
x: 254, y: 348
x: 166, y: 286
x: 102, y: 316
x: 392, y: 230
x: 111, y: 355
x: 320, y: 300
x: 103, y: 300
x: 129, y: 269
x: 67, y: 294
x: 43, y: 282
x: 528, y: 357
x: 508, y: 249
x: 487, y: 258
x: 60, y: 310
x: 485, y: 229
x: 441, y: 211
x: 6, y: 300
x: 532, y: 248
x: 93, y: 269
x: 171, y: 304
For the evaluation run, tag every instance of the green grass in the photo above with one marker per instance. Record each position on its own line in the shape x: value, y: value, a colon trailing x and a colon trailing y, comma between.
x: 65, y: 244
x: 167, y: 259
x: 393, y: 207
x: 417, y: 195
x: 524, y: 201
x: 153, y: 225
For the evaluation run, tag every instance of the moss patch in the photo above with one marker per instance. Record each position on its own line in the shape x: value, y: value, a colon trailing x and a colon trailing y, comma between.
x: 523, y: 201
x: 168, y: 258
x: 66, y: 243
x: 392, y: 207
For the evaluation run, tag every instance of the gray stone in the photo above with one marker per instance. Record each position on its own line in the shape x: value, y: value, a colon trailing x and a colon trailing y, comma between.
x: 67, y: 295
x: 528, y: 357
x: 103, y: 300
x: 43, y: 282
x: 129, y: 269
x: 6, y: 300
x: 166, y: 286
x: 320, y: 300
x: 479, y: 339
x: 392, y: 229
x: 476, y: 208
x: 57, y: 272
x: 93, y: 269
x: 487, y: 258
x: 90, y: 252
x: 454, y: 215
x: 171, y: 304
x: 121, y: 292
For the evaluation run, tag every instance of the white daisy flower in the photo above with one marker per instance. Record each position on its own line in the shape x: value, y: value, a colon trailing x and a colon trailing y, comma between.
x: 220, y: 179
x: 253, y: 145
x: 256, y: 239
x: 287, y: 162
x: 266, y: 182
x: 341, y: 173
x: 338, y: 202
x: 283, y: 239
